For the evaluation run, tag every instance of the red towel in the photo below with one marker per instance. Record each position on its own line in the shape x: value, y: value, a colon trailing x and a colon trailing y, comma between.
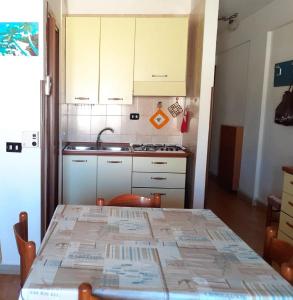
x: 184, y: 125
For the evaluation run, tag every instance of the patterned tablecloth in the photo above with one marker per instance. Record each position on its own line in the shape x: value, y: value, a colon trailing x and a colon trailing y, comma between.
x: 134, y: 253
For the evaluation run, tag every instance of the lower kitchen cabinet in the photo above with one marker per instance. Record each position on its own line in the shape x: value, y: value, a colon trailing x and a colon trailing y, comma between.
x: 113, y: 176
x: 79, y: 179
x: 170, y: 198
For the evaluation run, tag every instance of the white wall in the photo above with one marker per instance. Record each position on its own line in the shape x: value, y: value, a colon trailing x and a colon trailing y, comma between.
x: 128, y: 7
x: 230, y: 95
x: 255, y: 29
x: 207, y: 82
x: 20, y: 111
x: 277, y: 147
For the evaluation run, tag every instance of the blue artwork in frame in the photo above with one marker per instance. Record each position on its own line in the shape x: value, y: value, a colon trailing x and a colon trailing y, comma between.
x: 19, y: 38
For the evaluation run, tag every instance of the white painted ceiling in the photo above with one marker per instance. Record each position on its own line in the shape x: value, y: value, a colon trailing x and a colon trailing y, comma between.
x: 243, y: 7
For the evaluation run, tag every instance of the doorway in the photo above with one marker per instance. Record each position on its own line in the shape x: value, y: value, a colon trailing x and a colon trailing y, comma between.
x: 50, y: 125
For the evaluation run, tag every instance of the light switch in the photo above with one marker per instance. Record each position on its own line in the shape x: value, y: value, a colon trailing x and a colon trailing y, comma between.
x: 30, y: 139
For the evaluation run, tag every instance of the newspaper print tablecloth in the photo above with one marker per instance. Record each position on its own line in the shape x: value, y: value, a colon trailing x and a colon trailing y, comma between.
x: 139, y: 253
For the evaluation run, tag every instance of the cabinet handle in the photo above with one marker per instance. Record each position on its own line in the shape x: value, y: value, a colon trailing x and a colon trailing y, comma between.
x: 160, y: 75
x: 82, y: 98
x: 290, y: 203
x: 159, y: 178
x: 79, y: 160
x: 116, y: 99
x: 291, y: 182
x: 161, y: 194
x: 159, y: 163
x: 114, y: 161
x: 290, y: 225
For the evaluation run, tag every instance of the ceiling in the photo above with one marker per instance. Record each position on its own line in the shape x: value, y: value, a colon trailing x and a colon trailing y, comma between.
x: 243, y: 7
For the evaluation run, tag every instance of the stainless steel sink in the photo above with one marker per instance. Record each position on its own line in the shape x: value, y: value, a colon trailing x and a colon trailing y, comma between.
x: 80, y: 148
x: 114, y: 148
x: 101, y: 147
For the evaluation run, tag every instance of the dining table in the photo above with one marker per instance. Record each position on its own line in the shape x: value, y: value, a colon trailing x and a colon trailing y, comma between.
x: 148, y: 253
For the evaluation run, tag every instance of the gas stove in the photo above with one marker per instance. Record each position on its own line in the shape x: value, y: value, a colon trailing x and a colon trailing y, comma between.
x: 158, y: 148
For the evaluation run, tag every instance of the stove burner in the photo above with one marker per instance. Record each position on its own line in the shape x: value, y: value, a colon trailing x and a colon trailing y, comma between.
x: 156, y: 147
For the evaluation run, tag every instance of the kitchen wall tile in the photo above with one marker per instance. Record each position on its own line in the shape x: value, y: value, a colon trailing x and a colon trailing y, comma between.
x: 126, y: 138
x: 128, y: 126
x: 73, y: 137
x: 144, y: 127
x: 132, y: 108
x: 81, y: 109
x: 99, y: 110
x: 145, y: 106
x: 175, y: 139
x: 115, y: 123
x: 143, y: 139
x: 79, y: 125
x: 114, y: 110
x: 97, y: 124
x: 158, y: 139
x: 111, y: 138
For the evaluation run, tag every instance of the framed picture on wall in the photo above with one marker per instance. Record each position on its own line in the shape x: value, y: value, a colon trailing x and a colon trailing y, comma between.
x: 19, y: 38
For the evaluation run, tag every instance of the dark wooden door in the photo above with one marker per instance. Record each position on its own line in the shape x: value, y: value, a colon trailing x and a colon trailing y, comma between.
x: 50, y: 126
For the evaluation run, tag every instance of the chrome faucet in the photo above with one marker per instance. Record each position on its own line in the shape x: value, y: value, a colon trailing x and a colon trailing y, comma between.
x: 100, y: 133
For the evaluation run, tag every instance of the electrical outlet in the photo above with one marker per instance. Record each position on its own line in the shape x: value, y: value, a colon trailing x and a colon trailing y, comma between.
x: 134, y: 116
x: 13, y: 147
x: 30, y: 139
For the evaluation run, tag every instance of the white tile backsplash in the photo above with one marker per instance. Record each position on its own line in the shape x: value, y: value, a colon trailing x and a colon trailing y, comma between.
x: 85, y: 121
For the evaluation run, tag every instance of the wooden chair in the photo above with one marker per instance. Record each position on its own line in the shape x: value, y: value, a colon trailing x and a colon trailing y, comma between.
x: 274, y: 206
x: 279, y: 252
x: 26, y: 249
x: 131, y: 200
x: 85, y: 292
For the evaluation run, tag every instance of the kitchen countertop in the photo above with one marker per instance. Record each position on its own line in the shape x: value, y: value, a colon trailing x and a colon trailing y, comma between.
x: 122, y: 153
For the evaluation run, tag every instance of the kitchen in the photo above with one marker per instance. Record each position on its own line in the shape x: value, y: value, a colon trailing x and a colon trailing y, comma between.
x: 153, y: 160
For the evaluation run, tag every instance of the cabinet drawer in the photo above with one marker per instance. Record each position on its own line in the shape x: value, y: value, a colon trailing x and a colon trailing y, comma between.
x: 170, y: 198
x: 284, y: 237
x: 288, y: 183
x: 287, y: 204
x: 162, y: 180
x: 286, y: 224
x: 159, y: 164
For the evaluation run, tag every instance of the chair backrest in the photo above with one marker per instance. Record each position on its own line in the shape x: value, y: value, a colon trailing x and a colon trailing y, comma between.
x: 132, y: 200
x: 26, y: 249
x: 85, y: 292
x: 279, y: 252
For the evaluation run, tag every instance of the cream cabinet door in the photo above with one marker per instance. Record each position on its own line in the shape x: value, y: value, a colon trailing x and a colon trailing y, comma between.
x: 161, y: 49
x: 116, y: 60
x: 82, y: 59
x: 114, y: 176
x: 79, y: 179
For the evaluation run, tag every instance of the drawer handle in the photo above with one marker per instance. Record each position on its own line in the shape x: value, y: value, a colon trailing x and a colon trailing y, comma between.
x: 79, y: 160
x: 159, y: 178
x: 161, y: 194
x: 291, y: 182
x: 290, y: 203
x: 114, y: 161
x: 290, y: 225
x: 159, y: 163
x: 160, y: 75
x: 82, y: 98
x: 115, y: 99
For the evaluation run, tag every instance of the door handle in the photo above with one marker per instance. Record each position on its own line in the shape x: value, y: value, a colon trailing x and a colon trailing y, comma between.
x: 159, y: 178
x: 159, y: 163
x: 82, y: 98
x: 114, y: 161
x: 161, y: 194
x: 79, y: 160
x: 115, y: 99
x: 159, y: 75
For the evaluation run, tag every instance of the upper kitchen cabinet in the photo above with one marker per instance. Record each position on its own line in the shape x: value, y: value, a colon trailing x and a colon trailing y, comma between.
x: 116, y: 60
x: 160, y: 56
x: 82, y: 59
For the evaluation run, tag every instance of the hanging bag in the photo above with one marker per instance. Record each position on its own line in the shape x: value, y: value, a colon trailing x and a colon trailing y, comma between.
x: 284, y: 111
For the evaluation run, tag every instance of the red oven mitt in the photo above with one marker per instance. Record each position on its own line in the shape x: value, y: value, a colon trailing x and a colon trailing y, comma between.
x: 184, y: 125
